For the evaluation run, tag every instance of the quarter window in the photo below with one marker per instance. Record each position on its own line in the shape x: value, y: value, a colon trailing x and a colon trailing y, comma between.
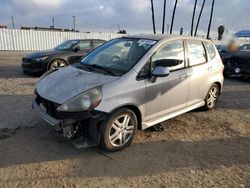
x: 211, y: 50
x: 170, y: 55
x: 196, y: 52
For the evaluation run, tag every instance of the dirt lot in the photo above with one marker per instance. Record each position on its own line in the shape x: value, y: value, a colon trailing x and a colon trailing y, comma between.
x: 197, y: 149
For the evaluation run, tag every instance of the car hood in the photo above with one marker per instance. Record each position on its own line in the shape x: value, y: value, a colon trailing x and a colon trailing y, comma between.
x: 43, y: 53
x: 69, y: 82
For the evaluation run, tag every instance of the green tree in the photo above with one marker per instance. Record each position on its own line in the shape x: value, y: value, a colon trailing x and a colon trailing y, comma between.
x: 221, y: 30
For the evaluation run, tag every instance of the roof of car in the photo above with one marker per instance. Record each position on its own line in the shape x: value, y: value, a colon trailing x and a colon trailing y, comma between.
x: 86, y: 39
x: 159, y: 37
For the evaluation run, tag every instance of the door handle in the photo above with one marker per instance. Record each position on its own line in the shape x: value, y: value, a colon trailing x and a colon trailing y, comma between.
x: 210, y: 68
x: 183, y: 76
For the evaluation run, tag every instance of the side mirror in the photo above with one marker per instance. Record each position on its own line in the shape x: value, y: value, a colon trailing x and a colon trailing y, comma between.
x: 75, y: 49
x: 159, y: 71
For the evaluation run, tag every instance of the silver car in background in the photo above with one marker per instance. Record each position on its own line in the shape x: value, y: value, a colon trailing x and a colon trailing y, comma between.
x: 129, y: 83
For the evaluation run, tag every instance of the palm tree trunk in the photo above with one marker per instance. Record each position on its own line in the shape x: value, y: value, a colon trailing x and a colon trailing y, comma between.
x: 153, y: 15
x: 164, y: 15
x: 173, y: 15
x: 192, y: 24
x: 198, y: 21
x: 210, y: 21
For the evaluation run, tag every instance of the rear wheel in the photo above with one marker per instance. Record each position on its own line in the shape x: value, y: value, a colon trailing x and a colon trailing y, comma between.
x: 56, y: 64
x: 212, y: 97
x: 118, y: 131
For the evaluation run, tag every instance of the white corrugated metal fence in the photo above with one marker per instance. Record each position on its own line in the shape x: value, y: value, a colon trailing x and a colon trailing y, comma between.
x: 14, y: 39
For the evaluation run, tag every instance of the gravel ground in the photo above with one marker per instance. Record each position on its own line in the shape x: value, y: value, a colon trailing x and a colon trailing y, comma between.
x: 196, y: 149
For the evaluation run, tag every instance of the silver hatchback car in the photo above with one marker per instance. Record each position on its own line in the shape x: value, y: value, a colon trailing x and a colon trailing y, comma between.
x: 129, y: 83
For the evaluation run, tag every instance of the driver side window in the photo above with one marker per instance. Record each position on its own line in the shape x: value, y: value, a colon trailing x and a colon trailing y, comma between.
x: 170, y: 55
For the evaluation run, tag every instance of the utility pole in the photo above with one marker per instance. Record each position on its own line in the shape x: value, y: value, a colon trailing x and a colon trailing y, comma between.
x: 164, y: 15
x: 153, y: 15
x: 12, y: 20
x: 192, y: 25
x: 74, y: 22
x: 168, y: 28
x: 53, y: 23
x: 210, y: 21
x: 198, y: 21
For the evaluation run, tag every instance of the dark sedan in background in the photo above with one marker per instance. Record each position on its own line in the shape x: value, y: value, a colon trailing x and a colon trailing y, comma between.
x: 237, y: 64
x: 63, y: 55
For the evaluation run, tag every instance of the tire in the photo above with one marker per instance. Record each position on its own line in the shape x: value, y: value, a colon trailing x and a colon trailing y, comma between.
x: 212, y: 97
x: 117, y: 136
x: 57, y: 63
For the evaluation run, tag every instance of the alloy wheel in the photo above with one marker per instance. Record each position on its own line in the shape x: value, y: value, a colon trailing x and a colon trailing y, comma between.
x: 121, y: 130
x: 57, y: 64
x: 212, y: 97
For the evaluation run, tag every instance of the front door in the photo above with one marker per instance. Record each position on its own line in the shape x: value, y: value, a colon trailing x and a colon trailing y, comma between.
x: 168, y: 94
x: 84, y: 47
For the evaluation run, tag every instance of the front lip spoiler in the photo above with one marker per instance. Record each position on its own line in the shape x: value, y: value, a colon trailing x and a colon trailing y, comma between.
x: 54, y: 123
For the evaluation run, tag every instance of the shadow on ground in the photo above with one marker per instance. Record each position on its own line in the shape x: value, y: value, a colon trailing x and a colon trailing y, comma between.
x: 40, y: 144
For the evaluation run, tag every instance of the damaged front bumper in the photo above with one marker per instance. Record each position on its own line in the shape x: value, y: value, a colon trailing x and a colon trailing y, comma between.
x: 54, y: 123
x: 81, y: 128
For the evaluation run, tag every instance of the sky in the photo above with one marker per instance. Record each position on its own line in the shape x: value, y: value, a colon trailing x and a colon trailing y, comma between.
x: 132, y: 15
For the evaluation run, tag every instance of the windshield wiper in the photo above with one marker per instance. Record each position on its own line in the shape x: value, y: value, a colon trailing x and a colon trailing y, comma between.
x: 104, y: 69
x: 84, y: 66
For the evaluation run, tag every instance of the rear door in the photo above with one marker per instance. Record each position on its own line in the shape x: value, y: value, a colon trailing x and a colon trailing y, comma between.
x: 201, y: 71
x: 168, y: 94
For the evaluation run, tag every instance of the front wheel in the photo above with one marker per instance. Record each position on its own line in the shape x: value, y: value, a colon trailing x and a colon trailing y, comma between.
x: 56, y: 64
x: 118, y: 131
x: 212, y: 97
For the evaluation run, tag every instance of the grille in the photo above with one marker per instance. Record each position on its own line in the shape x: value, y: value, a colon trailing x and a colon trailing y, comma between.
x: 49, y: 106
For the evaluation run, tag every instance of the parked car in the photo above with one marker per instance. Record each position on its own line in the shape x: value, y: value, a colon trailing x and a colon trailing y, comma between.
x: 237, y: 64
x: 63, y: 55
x: 222, y: 49
x: 106, y: 97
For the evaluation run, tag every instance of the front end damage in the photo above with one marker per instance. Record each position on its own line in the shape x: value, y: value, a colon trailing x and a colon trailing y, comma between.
x: 82, y: 128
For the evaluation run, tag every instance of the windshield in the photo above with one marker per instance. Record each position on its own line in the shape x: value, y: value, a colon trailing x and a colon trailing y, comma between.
x: 66, y: 45
x: 119, y: 55
x: 245, y: 47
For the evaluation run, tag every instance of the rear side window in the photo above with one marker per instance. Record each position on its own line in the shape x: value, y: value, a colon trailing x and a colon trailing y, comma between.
x: 98, y: 43
x: 84, y: 45
x: 170, y: 55
x: 210, y: 49
x: 196, y: 52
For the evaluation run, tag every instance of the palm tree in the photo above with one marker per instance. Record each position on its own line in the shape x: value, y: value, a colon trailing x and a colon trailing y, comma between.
x: 221, y: 30
x: 173, y: 15
x: 198, y: 21
x: 192, y: 25
x: 163, y: 19
x: 153, y: 15
x: 210, y: 20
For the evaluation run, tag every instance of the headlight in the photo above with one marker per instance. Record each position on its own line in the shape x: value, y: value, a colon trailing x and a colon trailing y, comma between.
x: 85, y: 101
x: 41, y: 58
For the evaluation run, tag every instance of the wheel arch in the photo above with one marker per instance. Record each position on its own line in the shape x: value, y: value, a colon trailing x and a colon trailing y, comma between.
x: 135, y: 109
x: 219, y: 85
